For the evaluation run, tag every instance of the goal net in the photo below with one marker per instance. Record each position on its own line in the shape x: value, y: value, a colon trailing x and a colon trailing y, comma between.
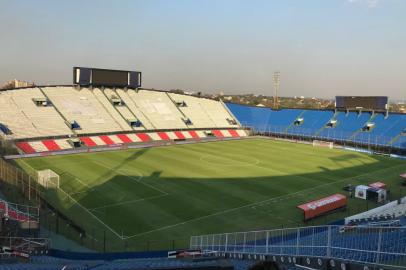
x: 48, y: 178
x: 323, y: 144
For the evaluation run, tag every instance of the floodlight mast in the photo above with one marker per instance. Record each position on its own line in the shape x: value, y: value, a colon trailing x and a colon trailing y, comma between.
x: 276, y: 84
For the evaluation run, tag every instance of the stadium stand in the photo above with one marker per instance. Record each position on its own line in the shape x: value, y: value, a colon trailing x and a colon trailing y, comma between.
x: 217, y: 113
x: 100, y: 96
x: 254, y: 117
x: 311, y: 121
x: 392, y: 210
x: 376, y: 245
x: 400, y: 142
x: 347, y: 125
x: 125, y: 96
x: 47, y: 119
x: 284, y: 118
x: 15, y: 119
x: 193, y: 110
x: 159, y: 108
x: 51, y: 263
x: 123, y: 110
x: 386, y: 130
x: 43, y: 116
x: 82, y: 107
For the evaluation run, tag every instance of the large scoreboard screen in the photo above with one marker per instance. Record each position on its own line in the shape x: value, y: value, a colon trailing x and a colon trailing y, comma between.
x: 106, y: 77
x: 362, y: 102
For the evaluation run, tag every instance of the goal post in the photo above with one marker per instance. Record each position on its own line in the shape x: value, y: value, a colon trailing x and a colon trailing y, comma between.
x: 48, y: 178
x: 317, y: 143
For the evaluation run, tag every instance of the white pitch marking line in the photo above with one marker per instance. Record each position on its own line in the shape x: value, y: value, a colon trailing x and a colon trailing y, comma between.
x: 256, y: 203
x: 83, y: 183
x: 136, y: 179
x: 127, y: 202
x: 76, y: 193
x: 90, y: 213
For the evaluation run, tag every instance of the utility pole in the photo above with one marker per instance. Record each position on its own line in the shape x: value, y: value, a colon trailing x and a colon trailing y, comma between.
x: 276, y: 84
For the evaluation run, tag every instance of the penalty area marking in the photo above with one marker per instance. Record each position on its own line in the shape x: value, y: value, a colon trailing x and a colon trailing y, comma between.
x: 127, y: 202
x: 140, y: 176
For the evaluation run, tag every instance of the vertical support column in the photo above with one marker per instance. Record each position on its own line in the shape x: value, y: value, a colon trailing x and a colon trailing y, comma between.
x: 267, y: 243
x: 329, y: 242
x: 29, y: 187
x: 283, y: 241
x: 235, y: 241
x: 312, y: 242
x: 245, y: 239
x: 201, y: 242
x: 297, y: 240
x: 226, y: 243
x: 378, y: 251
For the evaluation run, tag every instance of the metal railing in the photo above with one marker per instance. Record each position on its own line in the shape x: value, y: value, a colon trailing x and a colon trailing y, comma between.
x: 377, y: 245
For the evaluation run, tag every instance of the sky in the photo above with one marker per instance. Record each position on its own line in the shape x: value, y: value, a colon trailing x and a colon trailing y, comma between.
x: 322, y: 48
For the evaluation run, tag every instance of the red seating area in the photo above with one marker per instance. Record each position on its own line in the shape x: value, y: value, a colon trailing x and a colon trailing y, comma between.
x: 179, y: 135
x: 194, y: 134
x: 124, y: 138
x: 51, y: 145
x: 106, y: 139
x: 233, y: 133
x: 163, y: 136
x: 217, y: 133
x: 26, y: 147
x: 144, y: 137
x: 88, y: 141
x: 12, y: 213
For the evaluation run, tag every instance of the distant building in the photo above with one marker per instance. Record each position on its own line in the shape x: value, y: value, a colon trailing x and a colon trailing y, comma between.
x: 16, y: 84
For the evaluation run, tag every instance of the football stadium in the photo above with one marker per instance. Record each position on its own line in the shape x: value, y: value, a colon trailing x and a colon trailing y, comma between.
x: 202, y: 135
x: 141, y: 176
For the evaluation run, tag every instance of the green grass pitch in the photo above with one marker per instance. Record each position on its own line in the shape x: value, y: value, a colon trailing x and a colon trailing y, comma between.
x: 177, y: 191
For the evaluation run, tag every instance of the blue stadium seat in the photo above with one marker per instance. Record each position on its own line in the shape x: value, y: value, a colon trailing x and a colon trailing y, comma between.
x: 349, y: 127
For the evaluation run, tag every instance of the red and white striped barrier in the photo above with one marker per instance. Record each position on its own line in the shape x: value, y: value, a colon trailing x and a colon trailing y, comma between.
x: 119, y: 139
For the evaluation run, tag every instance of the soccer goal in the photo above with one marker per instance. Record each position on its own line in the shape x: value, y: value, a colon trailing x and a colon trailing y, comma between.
x: 323, y: 144
x: 48, y: 178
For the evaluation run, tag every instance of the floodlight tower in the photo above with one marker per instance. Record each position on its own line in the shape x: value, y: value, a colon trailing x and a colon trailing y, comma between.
x: 276, y: 84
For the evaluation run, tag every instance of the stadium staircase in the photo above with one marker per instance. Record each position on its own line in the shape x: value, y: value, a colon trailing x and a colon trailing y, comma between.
x: 56, y: 109
x: 293, y: 123
x: 319, y: 131
x: 133, y: 108
x: 230, y: 112
x: 110, y: 109
x: 124, y: 112
x: 370, y: 120
x: 184, y: 116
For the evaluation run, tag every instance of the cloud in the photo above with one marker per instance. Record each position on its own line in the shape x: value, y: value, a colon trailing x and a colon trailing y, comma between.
x: 369, y: 3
